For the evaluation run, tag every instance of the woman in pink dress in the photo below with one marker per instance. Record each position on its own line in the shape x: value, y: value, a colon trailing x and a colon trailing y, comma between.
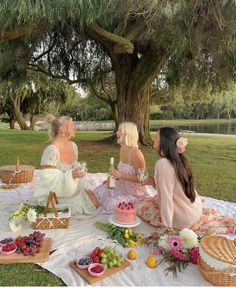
x: 178, y: 205
x: 127, y: 186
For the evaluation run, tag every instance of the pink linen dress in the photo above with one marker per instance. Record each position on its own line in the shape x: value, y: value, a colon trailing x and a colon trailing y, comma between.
x: 126, y: 191
x: 173, y: 210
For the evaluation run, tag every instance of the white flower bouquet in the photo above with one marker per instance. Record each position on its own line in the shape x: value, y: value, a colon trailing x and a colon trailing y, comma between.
x: 25, y: 212
x: 32, y: 212
x: 177, y: 248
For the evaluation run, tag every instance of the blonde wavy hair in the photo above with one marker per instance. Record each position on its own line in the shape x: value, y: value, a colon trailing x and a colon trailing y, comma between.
x: 130, y: 134
x: 56, y: 124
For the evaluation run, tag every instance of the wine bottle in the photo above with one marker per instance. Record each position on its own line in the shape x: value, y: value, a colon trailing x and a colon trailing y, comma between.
x: 111, y: 182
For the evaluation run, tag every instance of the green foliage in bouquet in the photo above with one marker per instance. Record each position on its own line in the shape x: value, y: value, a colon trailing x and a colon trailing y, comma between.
x: 125, y: 236
x: 28, y: 212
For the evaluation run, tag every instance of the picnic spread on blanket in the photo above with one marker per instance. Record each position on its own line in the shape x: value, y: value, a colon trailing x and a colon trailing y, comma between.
x: 105, y: 250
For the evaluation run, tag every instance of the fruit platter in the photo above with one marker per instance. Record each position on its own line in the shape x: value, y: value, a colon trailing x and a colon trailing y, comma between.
x: 33, y: 248
x: 99, y: 263
x: 6, y: 240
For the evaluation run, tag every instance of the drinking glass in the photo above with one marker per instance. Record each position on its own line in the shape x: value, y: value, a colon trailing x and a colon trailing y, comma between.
x: 83, y: 167
x: 142, y: 175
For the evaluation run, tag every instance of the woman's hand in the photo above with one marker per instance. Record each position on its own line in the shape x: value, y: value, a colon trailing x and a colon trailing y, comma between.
x: 77, y: 173
x: 116, y: 174
x: 151, y: 182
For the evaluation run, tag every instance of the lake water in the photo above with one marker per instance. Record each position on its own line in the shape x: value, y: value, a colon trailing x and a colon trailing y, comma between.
x: 220, y: 128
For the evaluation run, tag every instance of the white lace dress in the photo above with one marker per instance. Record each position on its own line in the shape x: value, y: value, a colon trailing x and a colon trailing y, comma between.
x: 68, y: 190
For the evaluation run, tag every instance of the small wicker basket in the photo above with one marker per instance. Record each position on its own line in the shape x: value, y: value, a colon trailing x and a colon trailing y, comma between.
x: 221, y: 249
x: 16, y: 173
x: 53, y: 221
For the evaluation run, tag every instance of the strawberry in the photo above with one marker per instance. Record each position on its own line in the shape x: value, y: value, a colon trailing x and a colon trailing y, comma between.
x: 96, y: 259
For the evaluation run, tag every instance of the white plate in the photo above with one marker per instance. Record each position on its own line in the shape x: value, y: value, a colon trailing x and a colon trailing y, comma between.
x: 113, y: 221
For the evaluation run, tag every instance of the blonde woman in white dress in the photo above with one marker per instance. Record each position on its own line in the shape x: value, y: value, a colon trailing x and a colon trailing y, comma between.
x: 60, y: 173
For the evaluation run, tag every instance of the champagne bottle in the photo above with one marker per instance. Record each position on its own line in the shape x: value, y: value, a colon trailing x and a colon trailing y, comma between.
x: 111, y: 182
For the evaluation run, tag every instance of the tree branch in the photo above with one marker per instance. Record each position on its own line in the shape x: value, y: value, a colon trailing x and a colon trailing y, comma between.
x: 136, y: 30
x: 37, y: 68
x: 98, y: 95
x: 121, y: 45
x: 22, y: 31
x: 50, y: 47
x: 109, y: 95
x: 149, y: 65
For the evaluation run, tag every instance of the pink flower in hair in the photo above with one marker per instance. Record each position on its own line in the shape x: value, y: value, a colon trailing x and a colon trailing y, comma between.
x: 181, y: 143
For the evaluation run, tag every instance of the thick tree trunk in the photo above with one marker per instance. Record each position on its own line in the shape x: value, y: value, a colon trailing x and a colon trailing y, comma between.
x: 134, y: 107
x: 114, y: 112
x: 133, y: 86
x: 20, y: 119
x: 33, y: 120
x: 228, y: 115
x: 12, y: 123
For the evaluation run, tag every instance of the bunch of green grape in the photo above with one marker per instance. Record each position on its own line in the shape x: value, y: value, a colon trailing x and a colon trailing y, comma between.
x: 21, y: 213
x: 111, y: 257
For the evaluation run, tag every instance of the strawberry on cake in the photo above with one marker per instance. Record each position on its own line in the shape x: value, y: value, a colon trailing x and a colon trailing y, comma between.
x: 125, y: 213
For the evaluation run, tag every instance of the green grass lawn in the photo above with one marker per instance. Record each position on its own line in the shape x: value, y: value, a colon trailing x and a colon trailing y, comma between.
x: 213, y: 160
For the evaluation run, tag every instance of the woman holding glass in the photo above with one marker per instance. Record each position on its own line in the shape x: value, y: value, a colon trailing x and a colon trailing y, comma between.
x: 178, y: 204
x: 62, y: 173
x: 127, y: 185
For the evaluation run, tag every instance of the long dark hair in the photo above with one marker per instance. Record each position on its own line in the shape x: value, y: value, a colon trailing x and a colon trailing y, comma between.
x: 183, y: 170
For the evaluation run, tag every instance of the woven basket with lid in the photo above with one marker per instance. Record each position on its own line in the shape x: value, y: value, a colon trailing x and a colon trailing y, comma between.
x: 16, y: 173
x: 20, y: 174
x: 223, y: 250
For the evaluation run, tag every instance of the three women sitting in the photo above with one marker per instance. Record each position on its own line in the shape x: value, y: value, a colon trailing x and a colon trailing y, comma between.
x: 177, y: 204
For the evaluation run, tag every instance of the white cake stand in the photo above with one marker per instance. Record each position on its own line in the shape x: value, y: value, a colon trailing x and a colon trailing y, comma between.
x: 113, y: 221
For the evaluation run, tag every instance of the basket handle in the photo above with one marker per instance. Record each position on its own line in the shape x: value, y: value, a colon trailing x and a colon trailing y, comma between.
x: 52, y: 200
x: 17, y: 163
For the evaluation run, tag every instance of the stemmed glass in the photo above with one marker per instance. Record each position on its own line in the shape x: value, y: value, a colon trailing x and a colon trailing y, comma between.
x: 142, y: 175
x: 82, y: 166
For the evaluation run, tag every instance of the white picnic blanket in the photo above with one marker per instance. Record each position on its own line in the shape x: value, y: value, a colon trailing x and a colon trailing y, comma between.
x: 82, y: 236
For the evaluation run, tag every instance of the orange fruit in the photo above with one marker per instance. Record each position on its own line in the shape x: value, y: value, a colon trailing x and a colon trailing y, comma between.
x: 132, y: 254
x: 151, y: 261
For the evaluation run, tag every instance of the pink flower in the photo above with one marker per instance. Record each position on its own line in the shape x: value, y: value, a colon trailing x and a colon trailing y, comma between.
x: 194, y: 254
x: 175, y: 243
x: 177, y: 254
x: 154, y: 235
x: 157, y: 251
x: 181, y: 142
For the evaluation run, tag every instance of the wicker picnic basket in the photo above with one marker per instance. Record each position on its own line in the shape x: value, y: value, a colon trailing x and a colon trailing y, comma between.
x: 55, y: 220
x: 223, y: 251
x: 16, y: 173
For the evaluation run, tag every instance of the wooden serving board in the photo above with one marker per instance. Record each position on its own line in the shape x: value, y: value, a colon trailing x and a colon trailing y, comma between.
x: 90, y: 279
x: 40, y: 257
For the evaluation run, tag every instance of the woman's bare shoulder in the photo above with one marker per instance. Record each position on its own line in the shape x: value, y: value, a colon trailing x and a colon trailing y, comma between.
x: 136, y: 152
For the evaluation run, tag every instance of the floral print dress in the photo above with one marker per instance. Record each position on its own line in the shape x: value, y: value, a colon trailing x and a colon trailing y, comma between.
x: 211, y: 220
x: 207, y: 220
x: 124, y: 191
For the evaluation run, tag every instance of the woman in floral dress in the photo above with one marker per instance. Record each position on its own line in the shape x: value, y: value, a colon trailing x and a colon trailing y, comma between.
x: 178, y: 205
x: 127, y: 186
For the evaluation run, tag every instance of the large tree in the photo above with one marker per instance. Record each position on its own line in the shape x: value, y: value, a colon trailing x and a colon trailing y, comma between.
x: 193, y: 41
x: 30, y: 95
